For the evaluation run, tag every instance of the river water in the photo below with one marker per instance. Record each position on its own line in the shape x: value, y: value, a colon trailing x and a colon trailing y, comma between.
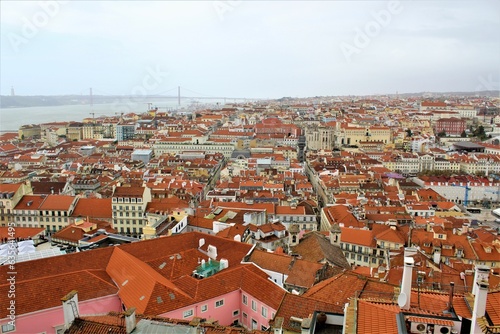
x: 13, y: 118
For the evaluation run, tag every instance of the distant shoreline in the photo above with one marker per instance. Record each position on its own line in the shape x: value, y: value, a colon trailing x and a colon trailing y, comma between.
x: 26, y: 101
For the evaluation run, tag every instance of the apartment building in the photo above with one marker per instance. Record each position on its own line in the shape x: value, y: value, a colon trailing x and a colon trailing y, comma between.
x: 55, y: 211
x: 128, y: 208
x: 10, y: 195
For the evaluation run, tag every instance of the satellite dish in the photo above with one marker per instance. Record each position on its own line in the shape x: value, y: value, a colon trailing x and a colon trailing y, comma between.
x: 402, y: 299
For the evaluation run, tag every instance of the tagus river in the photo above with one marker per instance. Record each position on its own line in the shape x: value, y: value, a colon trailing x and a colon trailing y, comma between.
x: 11, y: 119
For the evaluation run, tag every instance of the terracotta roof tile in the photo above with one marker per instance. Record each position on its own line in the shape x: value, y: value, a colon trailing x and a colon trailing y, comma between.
x: 377, y: 318
x: 57, y: 203
x: 358, y: 237
x: 103, y: 324
x: 300, y: 272
x: 301, y: 307
x: 21, y: 232
x: 49, y: 290
x: 315, y: 247
x: 93, y: 207
x: 493, y: 307
x: 137, y: 281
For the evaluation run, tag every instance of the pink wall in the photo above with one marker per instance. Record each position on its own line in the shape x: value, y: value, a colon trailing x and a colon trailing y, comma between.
x: 46, y: 320
x: 233, y: 301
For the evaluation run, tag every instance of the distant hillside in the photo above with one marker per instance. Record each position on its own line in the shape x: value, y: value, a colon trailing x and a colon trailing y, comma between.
x: 47, y: 101
x: 7, y: 101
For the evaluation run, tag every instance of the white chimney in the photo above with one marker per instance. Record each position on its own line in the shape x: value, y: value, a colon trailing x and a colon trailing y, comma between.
x: 70, y: 308
x: 437, y: 257
x: 130, y: 320
x: 482, y: 274
x: 479, y: 305
x: 224, y: 263
x: 404, y: 296
x: 212, y: 252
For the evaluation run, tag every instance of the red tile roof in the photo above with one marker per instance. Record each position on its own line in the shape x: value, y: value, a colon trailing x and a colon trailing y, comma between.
x: 9, y: 187
x: 138, y: 270
x: 341, y: 287
x: 377, y: 318
x: 301, y: 307
x: 434, y: 321
x: 21, y: 232
x: 137, y: 281
x: 94, y: 208
x: 300, y: 272
x: 493, y: 307
x: 128, y: 192
x: 316, y: 247
x: 357, y: 236
x: 57, y: 203
x: 45, y: 292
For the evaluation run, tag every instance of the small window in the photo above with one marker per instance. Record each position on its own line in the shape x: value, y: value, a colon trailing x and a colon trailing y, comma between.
x: 188, y: 313
x: 254, y: 305
x: 264, y: 311
x: 59, y: 329
x: 8, y: 328
x: 245, y: 300
x: 219, y: 303
x: 236, y: 313
x: 204, y: 308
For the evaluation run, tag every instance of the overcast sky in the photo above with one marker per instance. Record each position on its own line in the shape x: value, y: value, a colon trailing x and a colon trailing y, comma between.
x: 248, y: 48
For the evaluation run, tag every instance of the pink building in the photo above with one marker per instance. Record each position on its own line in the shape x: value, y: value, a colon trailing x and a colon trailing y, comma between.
x: 182, y: 276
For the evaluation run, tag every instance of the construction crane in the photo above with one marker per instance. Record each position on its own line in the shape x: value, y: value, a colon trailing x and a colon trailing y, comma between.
x: 467, y: 188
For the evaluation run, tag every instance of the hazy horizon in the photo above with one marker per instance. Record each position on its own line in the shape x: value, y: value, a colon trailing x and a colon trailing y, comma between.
x: 249, y: 49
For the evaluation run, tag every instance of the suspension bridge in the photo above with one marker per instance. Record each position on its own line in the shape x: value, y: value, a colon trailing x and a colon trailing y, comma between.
x: 96, y: 96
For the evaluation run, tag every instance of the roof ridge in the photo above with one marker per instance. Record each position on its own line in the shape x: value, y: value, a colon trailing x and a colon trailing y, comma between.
x: 104, y: 270
x: 148, y: 270
x: 52, y: 276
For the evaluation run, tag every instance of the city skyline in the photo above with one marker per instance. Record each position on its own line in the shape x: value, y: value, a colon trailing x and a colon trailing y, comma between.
x: 249, y: 49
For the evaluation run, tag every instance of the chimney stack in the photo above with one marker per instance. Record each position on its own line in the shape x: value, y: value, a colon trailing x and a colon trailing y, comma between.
x: 479, y: 305
x: 404, y: 296
x: 278, y: 325
x: 450, y: 302
x: 482, y: 273
x: 70, y: 308
x: 305, y: 327
x: 130, y: 320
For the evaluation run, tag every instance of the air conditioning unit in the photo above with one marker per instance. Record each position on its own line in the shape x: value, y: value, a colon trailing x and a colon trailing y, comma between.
x: 418, y: 327
x: 442, y: 329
